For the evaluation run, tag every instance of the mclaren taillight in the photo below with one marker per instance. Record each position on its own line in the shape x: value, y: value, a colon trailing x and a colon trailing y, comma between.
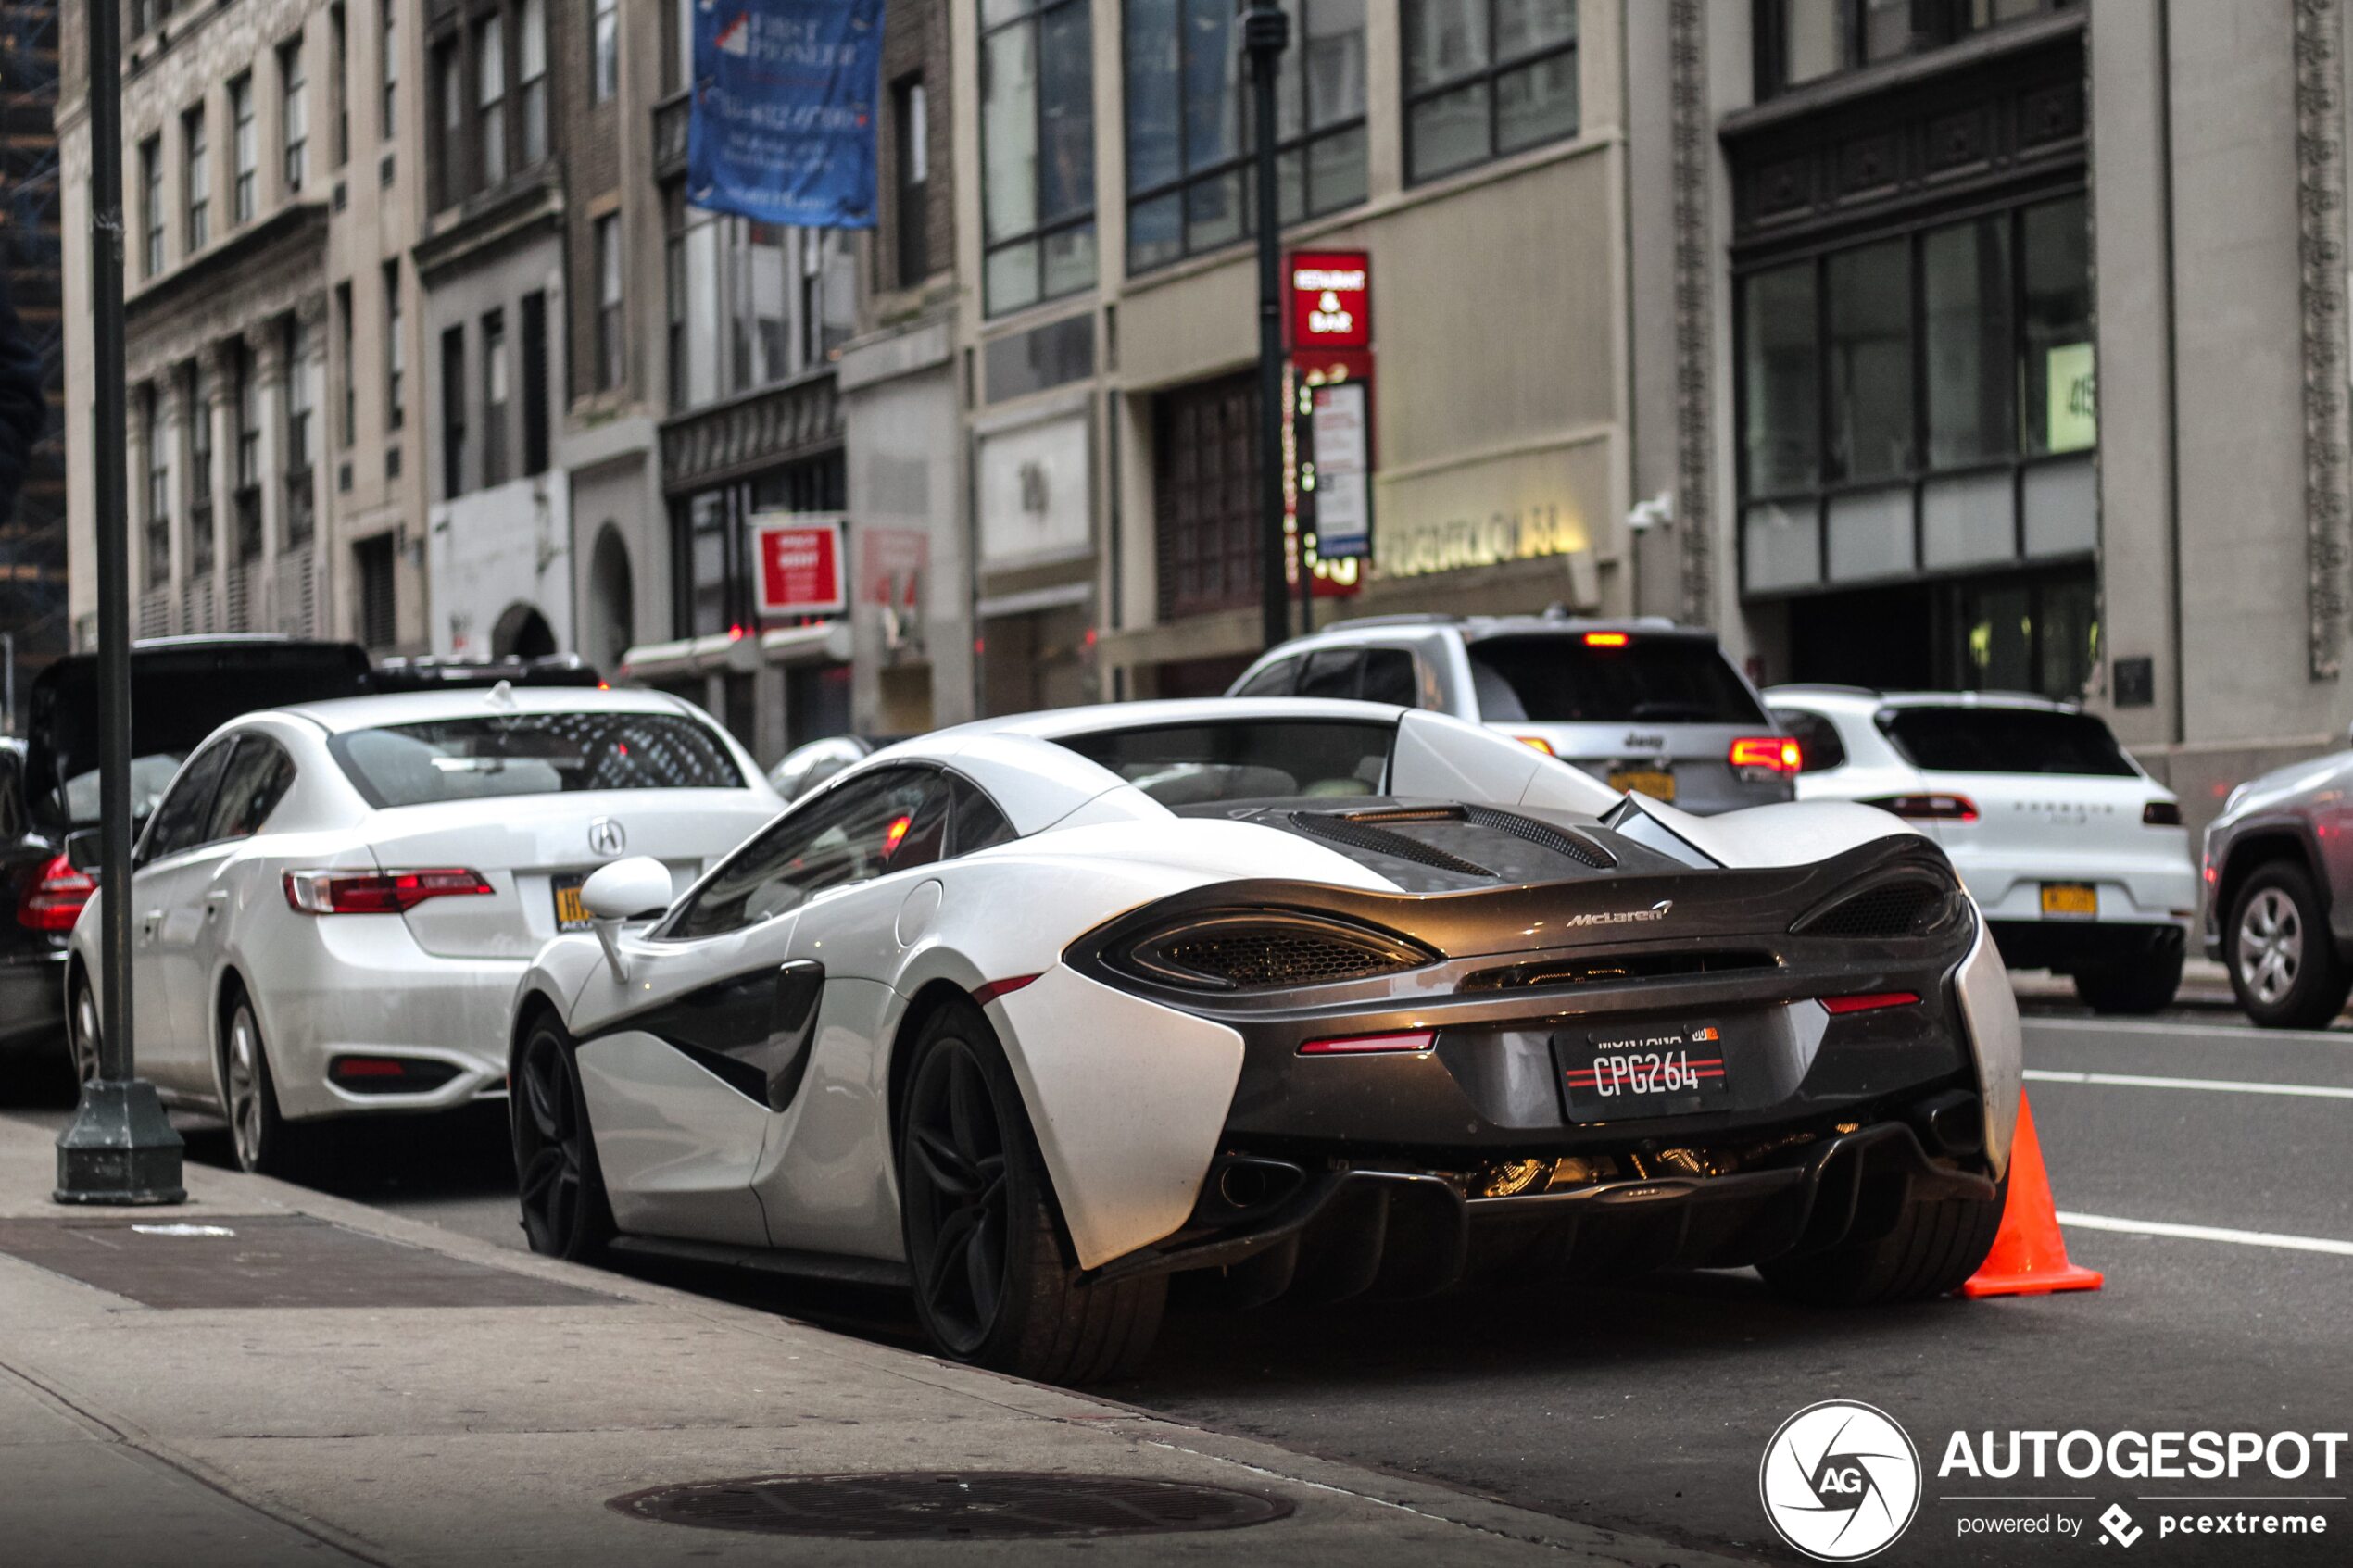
x: 53, y: 900
x: 2162, y: 814
x: 1870, y: 1001
x: 1256, y: 950
x: 378, y: 893
x: 1929, y: 808
x: 1774, y: 754
x: 1371, y: 1045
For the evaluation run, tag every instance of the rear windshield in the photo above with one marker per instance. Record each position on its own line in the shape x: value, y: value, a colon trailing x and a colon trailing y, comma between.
x: 1262, y: 759
x: 1561, y: 680
x: 495, y: 756
x: 2004, y: 740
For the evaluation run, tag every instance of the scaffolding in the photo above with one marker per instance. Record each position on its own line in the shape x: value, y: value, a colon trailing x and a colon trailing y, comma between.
x: 32, y: 542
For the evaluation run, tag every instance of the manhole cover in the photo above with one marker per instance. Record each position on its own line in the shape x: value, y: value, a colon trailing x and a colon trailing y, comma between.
x: 938, y: 1506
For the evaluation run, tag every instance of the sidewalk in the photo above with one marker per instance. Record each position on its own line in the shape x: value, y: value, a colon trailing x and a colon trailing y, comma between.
x: 331, y: 1384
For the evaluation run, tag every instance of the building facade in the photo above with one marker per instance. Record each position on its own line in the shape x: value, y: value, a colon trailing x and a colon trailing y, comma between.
x: 32, y: 539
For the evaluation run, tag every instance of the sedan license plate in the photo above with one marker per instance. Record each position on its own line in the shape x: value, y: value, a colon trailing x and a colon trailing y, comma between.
x: 570, y: 914
x: 1652, y: 1071
x: 1657, y: 783
x: 2070, y: 900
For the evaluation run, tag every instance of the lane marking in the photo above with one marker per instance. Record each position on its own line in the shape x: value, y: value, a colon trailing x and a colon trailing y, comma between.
x: 2207, y: 1232
x: 2186, y: 1029
x: 2217, y: 1086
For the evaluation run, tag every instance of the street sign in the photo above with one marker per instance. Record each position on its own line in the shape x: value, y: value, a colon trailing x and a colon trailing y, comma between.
x: 1331, y: 299
x: 1341, y: 442
x: 800, y: 563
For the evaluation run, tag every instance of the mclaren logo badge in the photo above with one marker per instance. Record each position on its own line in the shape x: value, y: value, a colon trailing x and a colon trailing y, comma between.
x: 1624, y: 917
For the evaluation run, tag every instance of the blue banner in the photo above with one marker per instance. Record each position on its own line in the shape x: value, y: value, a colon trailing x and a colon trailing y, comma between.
x: 783, y: 126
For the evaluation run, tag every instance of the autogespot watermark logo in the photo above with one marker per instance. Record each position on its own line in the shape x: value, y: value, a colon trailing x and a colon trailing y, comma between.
x: 1840, y: 1480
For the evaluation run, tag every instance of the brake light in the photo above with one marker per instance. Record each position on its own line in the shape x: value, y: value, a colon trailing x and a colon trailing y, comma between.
x: 2162, y: 814
x: 53, y: 900
x: 383, y: 893
x: 1365, y: 1045
x: 1870, y: 1001
x: 1929, y: 808
x: 1607, y: 639
x: 1539, y: 742
x: 1777, y: 754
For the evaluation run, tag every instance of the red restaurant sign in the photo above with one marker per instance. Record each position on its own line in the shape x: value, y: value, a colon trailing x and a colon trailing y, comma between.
x: 1331, y: 299
x: 801, y: 569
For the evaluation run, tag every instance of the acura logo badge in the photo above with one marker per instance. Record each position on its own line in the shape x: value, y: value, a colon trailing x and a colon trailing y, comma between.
x: 605, y: 836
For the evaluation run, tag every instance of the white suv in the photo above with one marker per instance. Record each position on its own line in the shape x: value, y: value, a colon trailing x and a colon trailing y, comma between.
x: 1644, y: 703
x: 2078, y: 858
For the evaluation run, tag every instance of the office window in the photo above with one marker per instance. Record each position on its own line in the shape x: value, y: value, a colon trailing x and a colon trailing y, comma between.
x: 1037, y: 151
x: 1190, y: 138
x: 348, y: 383
x: 388, y: 72
x: 199, y: 177
x: 395, y: 352
x: 490, y: 121
x: 1869, y: 364
x: 494, y: 398
x: 293, y: 114
x: 732, y: 286
x: 453, y: 413
x: 1803, y: 41
x: 610, y: 364
x: 532, y: 73
x: 299, y: 396
x: 339, y: 82
x: 604, y: 45
x: 910, y: 183
x: 159, y: 496
x: 248, y: 450
x: 535, y: 383
x: 1484, y: 78
x: 195, y: 408
x: 151, y: 206
x: 378, y: 624
x: 244, y: 150
x: 1205, y: 489
x: 450, y: 88
x: 142, y: 16
x: 1965, y: 318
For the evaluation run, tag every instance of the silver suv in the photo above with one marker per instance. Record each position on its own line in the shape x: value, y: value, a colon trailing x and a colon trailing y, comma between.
x: 2279, y: 882
x: 1644, y: 703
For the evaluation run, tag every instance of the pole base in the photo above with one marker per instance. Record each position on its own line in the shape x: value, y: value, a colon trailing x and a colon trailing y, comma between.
x: 121, y: 1149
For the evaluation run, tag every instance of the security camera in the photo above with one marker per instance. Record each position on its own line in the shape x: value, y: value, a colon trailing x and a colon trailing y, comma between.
x: 1656, y: 512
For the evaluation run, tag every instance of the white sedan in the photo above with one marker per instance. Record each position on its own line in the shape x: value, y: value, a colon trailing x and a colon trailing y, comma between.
x: 2077, y: 857
x: 333, y: 903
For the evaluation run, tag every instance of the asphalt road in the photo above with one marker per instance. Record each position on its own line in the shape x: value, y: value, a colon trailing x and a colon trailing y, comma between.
x: 1649, y: 1405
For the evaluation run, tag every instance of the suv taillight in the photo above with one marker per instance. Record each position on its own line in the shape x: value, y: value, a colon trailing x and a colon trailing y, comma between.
x: 378, y: 893
x: 2162, y: 814
x: 1777, y: 754
x: 1929, y: 808
x: 53, y: 900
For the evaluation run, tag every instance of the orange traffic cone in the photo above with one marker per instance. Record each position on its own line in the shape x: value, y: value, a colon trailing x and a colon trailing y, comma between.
x: 2029, y: 1257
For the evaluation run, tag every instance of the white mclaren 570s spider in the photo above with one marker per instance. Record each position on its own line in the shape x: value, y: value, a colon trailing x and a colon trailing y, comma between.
x: 1305, y: 998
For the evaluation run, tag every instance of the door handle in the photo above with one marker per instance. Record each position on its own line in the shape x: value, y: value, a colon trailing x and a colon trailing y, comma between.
x: 149, y: 921
x: 214, y: 902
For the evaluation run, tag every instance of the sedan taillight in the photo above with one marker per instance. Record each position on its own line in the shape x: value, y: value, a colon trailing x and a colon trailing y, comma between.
x: 1775, y: 753
x: 1929, y: 808
x: 378, y: 892
x: 53, y: 900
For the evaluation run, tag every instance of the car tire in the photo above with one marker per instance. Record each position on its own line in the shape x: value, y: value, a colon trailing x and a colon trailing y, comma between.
x: 2144, y: 987
x: 1933, y: 1245
x: 993, y: 1285
x: 566, y: 1212
x: 265, y: 1143
x: 2283, y: 959
x: 82, y: 1034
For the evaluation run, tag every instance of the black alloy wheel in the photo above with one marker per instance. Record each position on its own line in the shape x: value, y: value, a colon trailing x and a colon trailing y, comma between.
x: 564, y: 1211
x: 956, y: 1196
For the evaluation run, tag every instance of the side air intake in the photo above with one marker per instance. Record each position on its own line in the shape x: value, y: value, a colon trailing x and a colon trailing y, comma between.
x: 1254, y: 950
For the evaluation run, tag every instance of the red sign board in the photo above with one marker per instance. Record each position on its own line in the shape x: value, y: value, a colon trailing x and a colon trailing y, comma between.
x: 801, y: 571
x: 1331, y: 299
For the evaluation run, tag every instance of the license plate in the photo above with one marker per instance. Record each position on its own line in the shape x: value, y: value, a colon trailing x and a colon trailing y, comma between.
x: 1657, y: 783
x: 570, y: 914
x: 1650, y: 1070
x: 2072, y: 900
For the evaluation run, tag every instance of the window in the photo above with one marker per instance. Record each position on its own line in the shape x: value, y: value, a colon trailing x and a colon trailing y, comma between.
x: 347, y: 427
x: 449, y: 80
x: 339, y: 82
x: 299, y: 396
x: 257, y: 776
x: 910, y: 183
x: 293, y: 114
x: 1867, y: 296
x: 1274, y: 680
x: 503, y: 756
x: 711, y: 563
x: 151, y: 206
x: 1190, y: 137
x: 1802, y: 41
x: 535, y: 383
x: 1947, y: 739
x: 1244, y: 759
x: 892, y: 820
x: 494, y: 398
x: 159, y: 496
x: 453, y: 413
x: 245, y: 149
x: 604, y: 51
x: 199, y: 177
x: 196, y: 403
x: 1558, y: 679
x: 733, y: 290
x: 1819, y: 748
x: 490, y: 83
x: 248, y: 415
x: 185, y: 811
x: 378, y: 624
x: 1484, y: 78
x: 824, y: 305
x: 395, y: 352
x: 1205, y: 480
x: 608, y: 324
x: 388, y: 72
x: 532, y: 73
x: 1037, y: 151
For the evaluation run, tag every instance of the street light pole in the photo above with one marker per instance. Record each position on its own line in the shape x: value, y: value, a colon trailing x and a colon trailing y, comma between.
x: 120, y: 1148
x: 1266, y: 34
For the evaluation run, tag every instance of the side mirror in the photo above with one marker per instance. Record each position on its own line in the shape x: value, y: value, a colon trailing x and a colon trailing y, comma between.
x: 625, y: 890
